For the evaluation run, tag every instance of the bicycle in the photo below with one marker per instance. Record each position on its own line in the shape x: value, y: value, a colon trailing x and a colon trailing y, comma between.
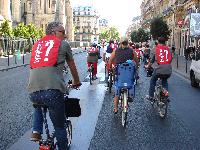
x: 111, y: 79
x: 126, y: 70
x: 91, y: 70
x: 66, y: 69
x: 161, y: 98
x: 49, y: 143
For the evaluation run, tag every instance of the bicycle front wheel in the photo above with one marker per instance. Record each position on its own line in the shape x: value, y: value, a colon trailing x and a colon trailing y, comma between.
x: 90, y: 76
x: 110, y: 82
x: 125, y: 108
x: 69, y: 132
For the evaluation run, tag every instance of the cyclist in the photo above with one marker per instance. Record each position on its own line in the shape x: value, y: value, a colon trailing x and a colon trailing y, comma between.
x: 137, y: 51
x: 121, y: 55
x: 46, y: 81
x: 163, y: 57
x: 92, y: 58
x: 107, y: 53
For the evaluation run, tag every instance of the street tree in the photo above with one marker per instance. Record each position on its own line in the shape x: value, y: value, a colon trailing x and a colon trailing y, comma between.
x: 109, y: 33
x: 28, y: 31
x: 159, y: 28
x: 6, y: 29
x: 21, y: 31
x: 140, y: 35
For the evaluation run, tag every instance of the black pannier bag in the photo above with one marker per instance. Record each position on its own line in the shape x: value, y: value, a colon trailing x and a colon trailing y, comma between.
x: 72, y: 107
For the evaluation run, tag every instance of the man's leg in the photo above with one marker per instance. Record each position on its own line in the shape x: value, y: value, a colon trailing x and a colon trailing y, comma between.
x: 55, y: 101
x: 152, y: 84
x: 95, y: 69
x: 37, y: 130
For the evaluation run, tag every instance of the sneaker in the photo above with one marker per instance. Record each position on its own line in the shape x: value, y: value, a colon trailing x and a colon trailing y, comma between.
x: 94, y: 78
x: 130, y: 99
x: 149, y: 98
x: 35, y: 137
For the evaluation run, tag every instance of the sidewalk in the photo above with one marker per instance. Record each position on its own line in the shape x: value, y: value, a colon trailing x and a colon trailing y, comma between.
x: 180, y: 65
x: 15, y: 62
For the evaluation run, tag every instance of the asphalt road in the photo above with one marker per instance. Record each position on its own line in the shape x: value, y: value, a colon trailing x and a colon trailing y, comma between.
x: 15, y: 106
x: 145, y: 130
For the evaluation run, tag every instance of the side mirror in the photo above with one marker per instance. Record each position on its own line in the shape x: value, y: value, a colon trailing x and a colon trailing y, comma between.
x: 197, y: 56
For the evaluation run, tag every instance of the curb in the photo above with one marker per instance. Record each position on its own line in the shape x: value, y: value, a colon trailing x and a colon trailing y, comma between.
x: 13, y: 67
x: 181, y: 74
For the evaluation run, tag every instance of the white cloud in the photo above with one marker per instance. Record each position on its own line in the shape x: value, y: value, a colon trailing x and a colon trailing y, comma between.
x: 118, y: 12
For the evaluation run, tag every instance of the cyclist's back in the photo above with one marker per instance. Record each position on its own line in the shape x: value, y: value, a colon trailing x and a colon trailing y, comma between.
x: 162, y: 68
x: 121, y: 55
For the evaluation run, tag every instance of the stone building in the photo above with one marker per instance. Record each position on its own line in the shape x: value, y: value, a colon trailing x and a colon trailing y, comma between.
x: 176, y: 13
x: 86, y: 24
x: 5, y: 12
x: 38, y: 12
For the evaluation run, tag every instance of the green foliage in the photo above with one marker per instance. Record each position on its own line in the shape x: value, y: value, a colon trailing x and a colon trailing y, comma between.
x: 6, y: 29
x: 21, y: 31
x: 159, y: 28
x: 110, y: 33
x: 140, y: 36
x: 28, y: 31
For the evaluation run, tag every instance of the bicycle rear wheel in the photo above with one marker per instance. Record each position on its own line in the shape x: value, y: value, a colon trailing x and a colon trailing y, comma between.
x: 110, y: 82
x: 69, y: 132
x: 162, y: 108
x: 124, y: 108
x: 91, y: 74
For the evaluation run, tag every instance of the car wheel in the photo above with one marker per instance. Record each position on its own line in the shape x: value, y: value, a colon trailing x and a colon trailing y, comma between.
x: 194, y: 83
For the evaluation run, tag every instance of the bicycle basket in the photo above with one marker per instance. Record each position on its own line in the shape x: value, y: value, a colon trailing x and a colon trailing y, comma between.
x: 125, y: 75
x: 72, y: 107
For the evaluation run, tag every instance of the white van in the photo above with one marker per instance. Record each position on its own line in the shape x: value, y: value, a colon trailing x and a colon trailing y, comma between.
x: 195, y: 70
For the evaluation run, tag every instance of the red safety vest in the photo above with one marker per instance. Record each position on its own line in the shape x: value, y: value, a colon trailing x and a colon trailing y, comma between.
x: 137, y: 51
x: 93, y: 50
x: 163, y: 54
x: 45, y: 52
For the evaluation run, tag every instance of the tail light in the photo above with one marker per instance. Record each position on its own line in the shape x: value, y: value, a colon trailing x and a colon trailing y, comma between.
x: 165, y: 93
x: 44, y: 147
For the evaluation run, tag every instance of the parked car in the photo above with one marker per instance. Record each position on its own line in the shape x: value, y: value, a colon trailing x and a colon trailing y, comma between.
x: 195, y: 69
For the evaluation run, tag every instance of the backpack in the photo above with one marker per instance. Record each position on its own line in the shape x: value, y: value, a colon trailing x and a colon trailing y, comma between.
x: 125, y: 75
x: 45, y: 52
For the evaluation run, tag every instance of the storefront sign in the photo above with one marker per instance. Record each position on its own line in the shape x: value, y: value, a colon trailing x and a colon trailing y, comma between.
x: 195, y: 24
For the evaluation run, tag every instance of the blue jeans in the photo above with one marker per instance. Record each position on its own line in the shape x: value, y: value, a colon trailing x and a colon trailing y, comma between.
x: 54, y: 99
x: 153, y: 80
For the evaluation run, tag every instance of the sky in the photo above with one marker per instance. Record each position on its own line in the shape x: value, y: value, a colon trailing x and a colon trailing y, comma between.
x: 119, y: 13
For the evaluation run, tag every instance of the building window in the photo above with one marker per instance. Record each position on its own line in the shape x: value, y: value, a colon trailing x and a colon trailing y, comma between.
x: 49, y: 4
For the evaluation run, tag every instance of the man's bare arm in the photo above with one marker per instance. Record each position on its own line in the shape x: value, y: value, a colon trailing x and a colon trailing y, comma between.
x: 74, y: 71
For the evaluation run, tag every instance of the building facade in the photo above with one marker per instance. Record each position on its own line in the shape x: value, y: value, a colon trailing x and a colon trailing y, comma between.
x: 86, y: 24
x: 176, y: 14
x: 38, y: 12
x: 5, y: 11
